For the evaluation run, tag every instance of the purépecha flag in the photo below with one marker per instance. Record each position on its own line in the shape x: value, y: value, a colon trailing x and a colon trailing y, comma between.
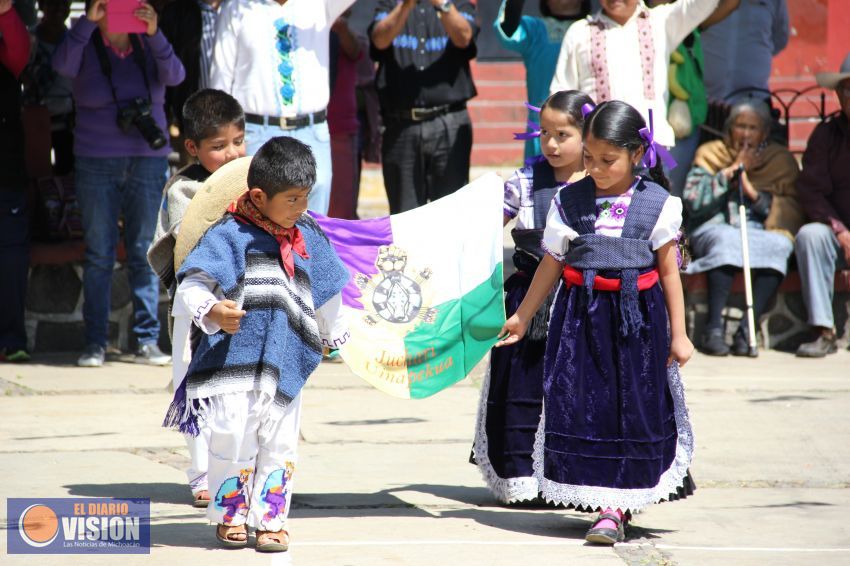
x: 425, y: 300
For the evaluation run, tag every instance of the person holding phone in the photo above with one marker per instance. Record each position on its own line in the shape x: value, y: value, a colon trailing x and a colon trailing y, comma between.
x: 121, y: 150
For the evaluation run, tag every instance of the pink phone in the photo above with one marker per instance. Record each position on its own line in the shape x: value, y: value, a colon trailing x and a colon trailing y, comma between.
x: 120, y: 18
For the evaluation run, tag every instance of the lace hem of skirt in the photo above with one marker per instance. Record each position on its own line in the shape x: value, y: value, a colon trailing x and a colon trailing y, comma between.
x: 674, y: 483
x: 506, y: 490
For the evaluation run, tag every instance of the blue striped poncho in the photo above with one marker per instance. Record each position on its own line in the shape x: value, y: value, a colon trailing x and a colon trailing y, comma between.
x: 277, y: 346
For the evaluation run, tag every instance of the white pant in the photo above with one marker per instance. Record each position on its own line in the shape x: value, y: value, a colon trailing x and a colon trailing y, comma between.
x: 251, y: 466
x: 198, y: 446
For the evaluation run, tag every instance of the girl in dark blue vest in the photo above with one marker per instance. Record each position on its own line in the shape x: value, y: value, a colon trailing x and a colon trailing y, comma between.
x: 614, y: 433
x: 512, y: 393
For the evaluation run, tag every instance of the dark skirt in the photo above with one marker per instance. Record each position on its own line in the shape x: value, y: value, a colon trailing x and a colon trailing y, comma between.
x: 615, y: 430
x: 509, y: 409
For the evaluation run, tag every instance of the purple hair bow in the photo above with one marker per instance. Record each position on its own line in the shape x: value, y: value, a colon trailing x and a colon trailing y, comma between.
x: 655, y: 150
x: 533, y: 126
x: 586, y: 109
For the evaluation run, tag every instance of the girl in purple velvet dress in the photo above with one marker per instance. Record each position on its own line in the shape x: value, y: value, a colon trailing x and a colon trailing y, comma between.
x: 614, y: 433
x: 512, y: 393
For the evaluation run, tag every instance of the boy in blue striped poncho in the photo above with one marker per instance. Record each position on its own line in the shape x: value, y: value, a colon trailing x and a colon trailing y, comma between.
x: 268, y: 282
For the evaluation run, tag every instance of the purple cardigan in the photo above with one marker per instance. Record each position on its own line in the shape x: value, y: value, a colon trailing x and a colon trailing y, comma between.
x: 96, y: 133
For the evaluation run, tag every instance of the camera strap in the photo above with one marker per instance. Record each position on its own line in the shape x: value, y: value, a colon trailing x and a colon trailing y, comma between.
x: 106, y: 66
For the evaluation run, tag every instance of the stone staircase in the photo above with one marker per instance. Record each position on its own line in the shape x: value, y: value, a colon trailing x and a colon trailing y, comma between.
x: 497, y: 112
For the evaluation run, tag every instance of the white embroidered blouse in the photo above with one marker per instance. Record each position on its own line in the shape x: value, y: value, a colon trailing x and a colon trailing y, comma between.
x: 610, y: 217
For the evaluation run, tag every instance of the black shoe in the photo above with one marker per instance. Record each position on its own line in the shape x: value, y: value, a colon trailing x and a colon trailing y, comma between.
x: 741, y: 344
x: 713, y: 342
x: 606, y: 536
x: 825, y: 344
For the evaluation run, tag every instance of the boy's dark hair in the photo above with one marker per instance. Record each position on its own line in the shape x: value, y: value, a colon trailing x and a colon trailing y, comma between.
x: 208, y: 110
x: 281, y: 164
x: 585, y: 10
x: 619, y: 124
x: 570, y: 103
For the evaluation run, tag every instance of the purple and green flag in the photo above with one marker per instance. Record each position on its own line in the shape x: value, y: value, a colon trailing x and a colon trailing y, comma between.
x: 425, y: 302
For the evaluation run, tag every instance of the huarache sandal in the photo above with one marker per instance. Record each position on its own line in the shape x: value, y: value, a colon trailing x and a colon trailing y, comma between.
x: 272, y: 541
x: 202, y: 499
x: 607, y: 536
x: 235, y: 536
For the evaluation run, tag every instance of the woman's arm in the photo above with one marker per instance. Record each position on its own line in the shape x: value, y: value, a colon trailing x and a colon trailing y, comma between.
x: 169, y: 68
x: 545, y: 277
x: 704, y: 194
x: 14, y: 39
x: 68, y: 57
x: 681, y: 348
x: 511, y: 16
x: 347, y: 40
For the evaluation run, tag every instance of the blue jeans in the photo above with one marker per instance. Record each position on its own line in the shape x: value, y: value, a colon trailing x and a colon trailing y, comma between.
x: 107, y: 188
x: 317, y: 137
x: 819, y: 255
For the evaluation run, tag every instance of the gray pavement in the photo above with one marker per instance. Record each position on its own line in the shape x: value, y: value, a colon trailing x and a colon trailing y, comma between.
x: 386, y: 481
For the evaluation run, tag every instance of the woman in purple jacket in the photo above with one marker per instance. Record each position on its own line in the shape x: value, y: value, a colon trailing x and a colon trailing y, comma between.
x: 120, y: 146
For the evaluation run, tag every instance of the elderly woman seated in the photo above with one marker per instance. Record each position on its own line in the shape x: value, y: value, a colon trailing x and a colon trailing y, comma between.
x: 766, y: 172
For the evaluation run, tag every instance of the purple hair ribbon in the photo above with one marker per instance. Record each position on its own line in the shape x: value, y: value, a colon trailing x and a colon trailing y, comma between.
x: 532, y: 108
x: 655, y: 150
x: 586, y: 109
x: 534, y: 133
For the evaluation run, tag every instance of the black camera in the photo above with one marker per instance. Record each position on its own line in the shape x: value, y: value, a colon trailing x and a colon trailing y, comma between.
x: 138, y: 114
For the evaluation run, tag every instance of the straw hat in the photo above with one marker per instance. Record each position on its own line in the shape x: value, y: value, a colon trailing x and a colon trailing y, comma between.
x: 209, y: 205
x: 831, y: 80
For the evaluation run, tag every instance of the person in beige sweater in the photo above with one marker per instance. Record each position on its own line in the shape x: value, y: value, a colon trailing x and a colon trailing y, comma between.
x: 214, y: 125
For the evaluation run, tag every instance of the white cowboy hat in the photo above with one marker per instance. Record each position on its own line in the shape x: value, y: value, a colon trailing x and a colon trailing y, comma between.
x: 209, y: 204
x: 831, y: 80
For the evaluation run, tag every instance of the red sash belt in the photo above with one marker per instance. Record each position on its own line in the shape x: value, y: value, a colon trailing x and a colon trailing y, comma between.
x: 573, y: 276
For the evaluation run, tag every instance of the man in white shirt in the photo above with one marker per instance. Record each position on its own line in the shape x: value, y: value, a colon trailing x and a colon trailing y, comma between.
x: 272, y: 56
x: 622, y: 52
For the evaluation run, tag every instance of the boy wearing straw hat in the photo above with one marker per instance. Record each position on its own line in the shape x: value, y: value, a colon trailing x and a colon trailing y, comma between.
x: 823, y: 187
x: 214, y: 125
x: 272, y: 284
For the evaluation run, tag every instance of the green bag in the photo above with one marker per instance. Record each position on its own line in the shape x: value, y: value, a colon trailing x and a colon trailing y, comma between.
x: 689, y: 76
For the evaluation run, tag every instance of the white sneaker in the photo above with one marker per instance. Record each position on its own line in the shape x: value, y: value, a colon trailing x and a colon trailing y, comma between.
x: 151, y: 354
x: 92, y: 357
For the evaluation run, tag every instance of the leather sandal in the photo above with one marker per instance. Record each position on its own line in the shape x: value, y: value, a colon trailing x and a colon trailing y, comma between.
x: 272, y: 541
x: 604, y: 535
x: 229, y: 537
x: 201, y: 499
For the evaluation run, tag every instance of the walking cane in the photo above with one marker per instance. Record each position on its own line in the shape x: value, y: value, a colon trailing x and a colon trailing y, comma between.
x: 748, y: 280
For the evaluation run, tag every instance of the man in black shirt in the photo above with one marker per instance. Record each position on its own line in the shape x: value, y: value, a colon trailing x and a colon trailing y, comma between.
x: 423, y: 49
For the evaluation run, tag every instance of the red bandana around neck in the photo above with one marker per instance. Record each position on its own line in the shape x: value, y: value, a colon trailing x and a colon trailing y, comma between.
x: 290, y: 239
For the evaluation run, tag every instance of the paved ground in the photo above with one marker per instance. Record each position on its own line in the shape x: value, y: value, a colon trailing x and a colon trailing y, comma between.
x: 385, y: 481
